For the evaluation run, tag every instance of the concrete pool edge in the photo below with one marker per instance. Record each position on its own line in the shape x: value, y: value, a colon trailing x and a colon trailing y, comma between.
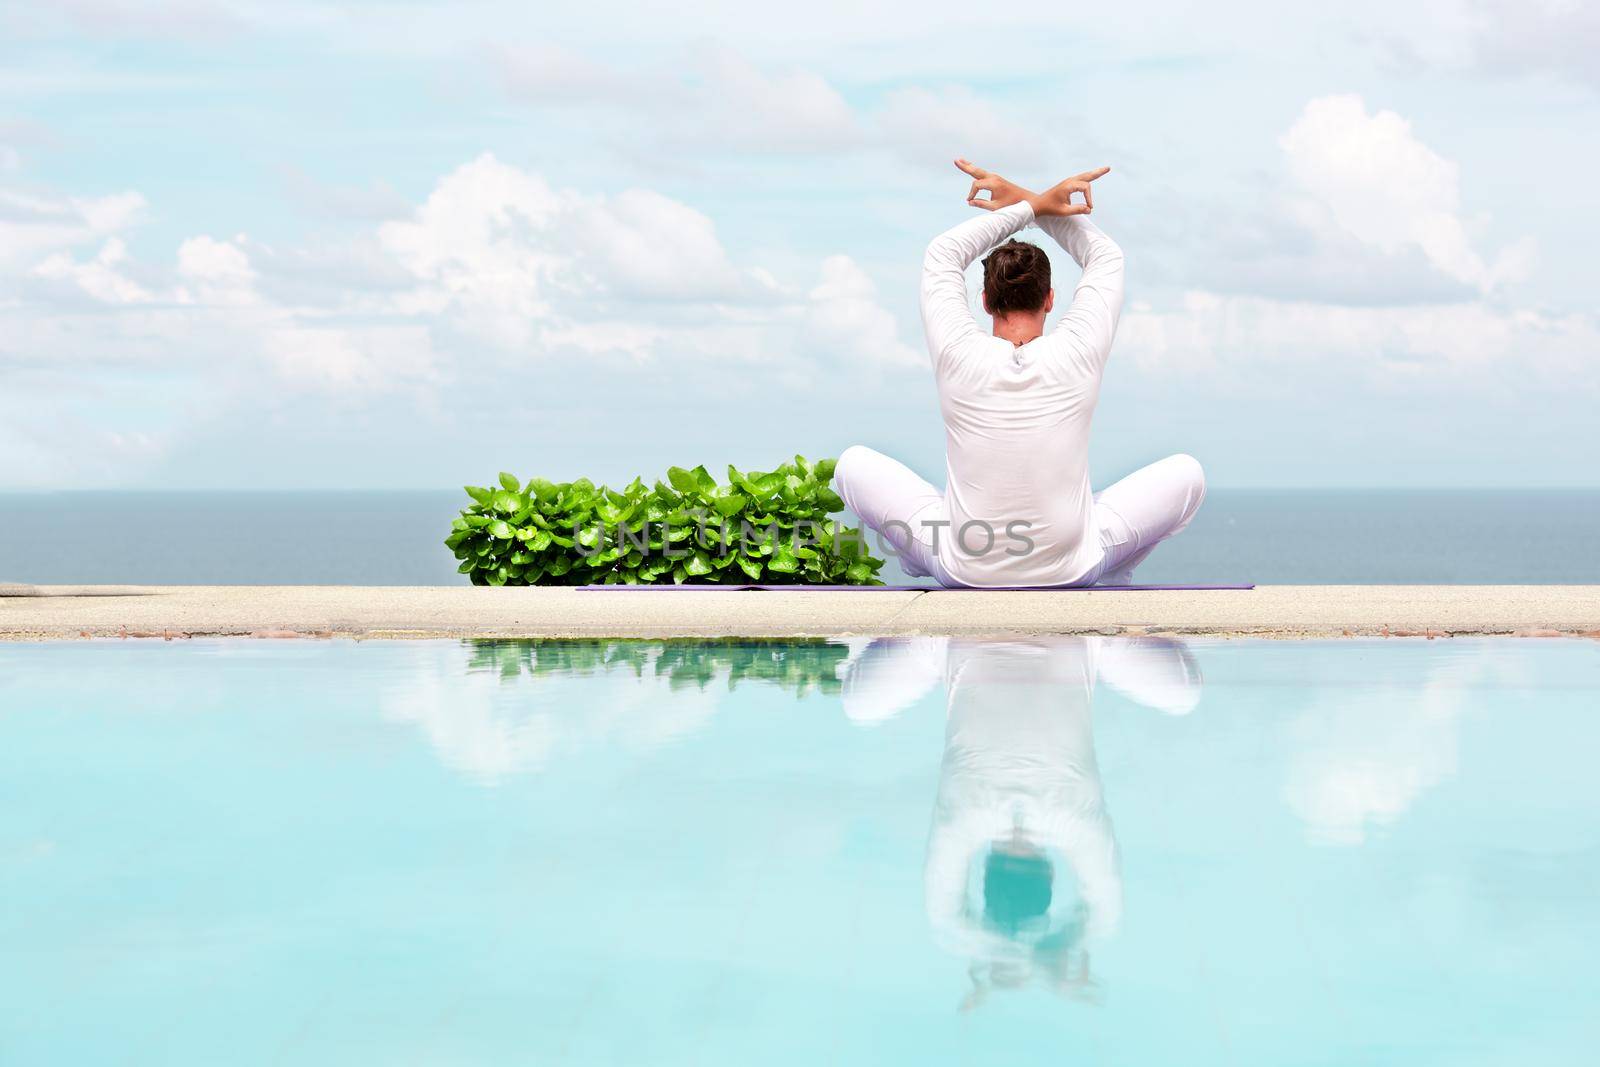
x: 68, y: 612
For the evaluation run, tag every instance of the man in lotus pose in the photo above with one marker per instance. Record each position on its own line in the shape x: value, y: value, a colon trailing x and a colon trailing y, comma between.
x: 1017, y: 402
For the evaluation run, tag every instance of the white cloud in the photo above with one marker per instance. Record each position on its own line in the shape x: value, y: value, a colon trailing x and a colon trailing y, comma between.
x: 474, y: 244
x: 1464, y: 345
x: 515, y: 261
x: 100, y: 277
x: 207, y: 304
x: 844, y: 316
x: 1366, y: 275
x: 494, y: 254
x: 345, y: 360
x: 646, y: 245
x: 1369, y: 177
x: 494, y: 279
x: 636, y: 341
x: 1359, y: 211
x: 33, y: 225
x: 506, y: 256
x: 216, y: 272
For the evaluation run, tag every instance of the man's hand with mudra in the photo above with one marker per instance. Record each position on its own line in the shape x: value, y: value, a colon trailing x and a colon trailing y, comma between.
x: 1056, y: 200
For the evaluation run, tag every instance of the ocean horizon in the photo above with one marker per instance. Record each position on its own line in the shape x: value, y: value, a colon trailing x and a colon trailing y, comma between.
x: 395, y: 537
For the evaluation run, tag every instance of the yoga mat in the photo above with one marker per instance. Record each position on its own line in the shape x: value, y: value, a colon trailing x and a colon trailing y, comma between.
x: 704, y: 588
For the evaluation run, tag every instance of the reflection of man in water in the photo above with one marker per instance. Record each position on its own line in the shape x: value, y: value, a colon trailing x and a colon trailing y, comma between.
x: 1022, y: 873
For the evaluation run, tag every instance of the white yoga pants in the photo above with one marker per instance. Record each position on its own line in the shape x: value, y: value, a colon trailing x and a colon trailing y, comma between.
x: 1131, y: 516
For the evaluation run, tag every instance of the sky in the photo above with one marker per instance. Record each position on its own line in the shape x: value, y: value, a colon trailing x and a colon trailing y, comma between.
x: 394, y: 245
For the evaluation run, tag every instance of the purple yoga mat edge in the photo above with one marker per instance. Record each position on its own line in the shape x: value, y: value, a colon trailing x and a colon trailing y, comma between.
x: 711, y: 588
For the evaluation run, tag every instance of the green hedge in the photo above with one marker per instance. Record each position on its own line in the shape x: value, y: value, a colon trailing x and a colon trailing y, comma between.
x: 772, y: 527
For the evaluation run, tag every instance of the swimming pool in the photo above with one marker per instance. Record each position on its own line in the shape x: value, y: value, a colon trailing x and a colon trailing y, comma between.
x: 1104, y: 851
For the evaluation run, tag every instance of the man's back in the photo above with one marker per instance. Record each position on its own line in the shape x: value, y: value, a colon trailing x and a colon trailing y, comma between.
x: 1017, y: 417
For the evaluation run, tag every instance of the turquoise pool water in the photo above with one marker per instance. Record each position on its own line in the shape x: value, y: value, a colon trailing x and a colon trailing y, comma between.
x: 1079, y: 851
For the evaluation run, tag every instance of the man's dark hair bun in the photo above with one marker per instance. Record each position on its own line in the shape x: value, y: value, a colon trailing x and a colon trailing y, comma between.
x: 1016, y: 277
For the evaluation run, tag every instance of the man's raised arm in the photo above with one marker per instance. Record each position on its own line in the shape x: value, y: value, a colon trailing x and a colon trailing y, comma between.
x: 946, y: 311
x: 1091, y: 322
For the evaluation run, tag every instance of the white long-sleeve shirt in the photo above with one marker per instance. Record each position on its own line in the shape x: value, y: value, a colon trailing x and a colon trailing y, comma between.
x: 1017, y: 417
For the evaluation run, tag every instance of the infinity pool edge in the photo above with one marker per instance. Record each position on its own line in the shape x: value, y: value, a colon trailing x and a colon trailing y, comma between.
x: 66, y: 612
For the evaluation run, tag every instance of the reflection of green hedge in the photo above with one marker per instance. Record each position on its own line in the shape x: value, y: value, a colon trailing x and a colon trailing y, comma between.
x: 800, y: 667
x: 762, y: 526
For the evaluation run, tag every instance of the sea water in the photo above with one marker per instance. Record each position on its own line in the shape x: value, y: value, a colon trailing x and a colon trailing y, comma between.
x: 396, y: 538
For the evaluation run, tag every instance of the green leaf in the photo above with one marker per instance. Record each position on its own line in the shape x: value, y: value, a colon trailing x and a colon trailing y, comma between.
x: 751, y: 567
x: 764, y: 485
x: 683, y: 481
x: 698, y: 564
x: 729, y: 505
x: 478, y: 493
x: 500, y: 529
x: 511, y: 484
